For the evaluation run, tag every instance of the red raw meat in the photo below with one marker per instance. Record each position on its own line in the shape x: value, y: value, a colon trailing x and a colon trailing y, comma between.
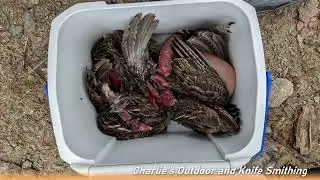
x: 115, y: 80
x: 160, y: 81
x: 165, y: 59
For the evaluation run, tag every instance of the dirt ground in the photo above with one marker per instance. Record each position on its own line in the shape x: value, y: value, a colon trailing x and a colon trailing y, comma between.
x: 291, y: 38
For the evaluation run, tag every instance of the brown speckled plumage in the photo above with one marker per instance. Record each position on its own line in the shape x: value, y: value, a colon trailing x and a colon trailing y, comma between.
x: 130, y: 116
x: 121, y: 63
x: 201, y: 118
x: 210, y: 111
x: 135, y: 42
x: 125, y: 61
x: 194, y: 76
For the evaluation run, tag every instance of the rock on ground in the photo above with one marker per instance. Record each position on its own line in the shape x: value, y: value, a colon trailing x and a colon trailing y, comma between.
x: 6, y: 168
x: 281, y: 89
x: 308, y: 133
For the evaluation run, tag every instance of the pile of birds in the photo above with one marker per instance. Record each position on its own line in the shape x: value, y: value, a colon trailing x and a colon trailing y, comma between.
x: 138, y: 85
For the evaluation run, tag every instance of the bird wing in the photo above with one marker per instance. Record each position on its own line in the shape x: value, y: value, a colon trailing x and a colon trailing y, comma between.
x: 195, y: 58
x: 135, y: 40
x: 212, y: 40
x: 217, y: 43
x: 193, y: 75
x: 204, y: 119
x: 228, y: 122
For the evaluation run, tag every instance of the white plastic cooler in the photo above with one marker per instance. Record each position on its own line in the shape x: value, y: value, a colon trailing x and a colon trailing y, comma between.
x: 90, y: 152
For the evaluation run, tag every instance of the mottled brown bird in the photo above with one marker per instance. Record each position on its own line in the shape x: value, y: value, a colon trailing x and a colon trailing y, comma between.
x: 192, y: 75
x: 122, y: 66
x: 210, y: 110
x: 130, y: 116
x: 109, y: 47
x: 122, y: 115
x: 135, y: 40
x: 139, y: 64
x: 107, y: 52
x: 213, y: 44
x: 204, y: 119
x: 212, y: 40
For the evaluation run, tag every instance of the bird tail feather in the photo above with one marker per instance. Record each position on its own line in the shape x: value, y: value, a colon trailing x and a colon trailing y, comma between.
x: 136, y: 37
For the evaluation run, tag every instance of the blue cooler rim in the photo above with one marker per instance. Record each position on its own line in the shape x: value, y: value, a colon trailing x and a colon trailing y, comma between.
x: 46, y: 89
x: 268, y: 79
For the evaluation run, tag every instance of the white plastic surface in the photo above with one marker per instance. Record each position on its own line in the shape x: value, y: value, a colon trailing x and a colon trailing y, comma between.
x: 79, y: 141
